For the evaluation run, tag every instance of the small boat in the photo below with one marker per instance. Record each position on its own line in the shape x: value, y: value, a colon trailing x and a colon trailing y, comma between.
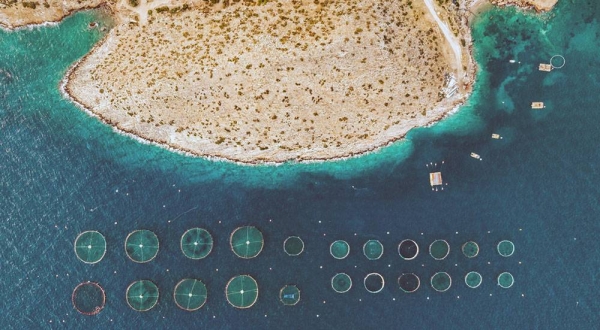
x: 476, y: 156
x: 512, y: 61
x: 496, y: 136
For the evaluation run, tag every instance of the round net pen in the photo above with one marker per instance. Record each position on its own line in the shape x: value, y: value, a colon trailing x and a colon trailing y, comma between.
x: 506, y: 280
x: 470, y: 249
x: 408, y: 249
x: 409, y: 282
x: 293, y: 246
x: 373, y: 249
x: 246, y: 242
x: 374, y: 282
x: 190, y: 294
x: 439, y: 249
x: 90, y: 247
x: 341, y: 283
x: 441, y: 281
x: 241, y: 291
x: 196, y: 243
x: 289, y: 295
x: 473, y: 280
x: 141, y: 246
x: 142, y: 295
x: 506, y: 248
x: 88, y: 298
x: 339, y: 249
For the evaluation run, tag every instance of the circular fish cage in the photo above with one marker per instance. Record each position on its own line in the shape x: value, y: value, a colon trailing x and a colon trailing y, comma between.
x: 142, y: 295
x: 293, y: 246
x: 141, y: 246
x: 439, y: 249
x: 339, y: 249
x: 373, y: 249
x: 470, y: 249
x: 90, y: 246
x: 246, y: 242
x: 409, y: 282
x: 241, y: 291
x: 289, y: 295
x: 190, y: 294
x: 408, y: 249
x: 88, y: 298
x: 341, y: 283
x: 374, y: 282
x: 473, y: 280
x: 506, y: 248
x: 441, y: 281
x: 196, y: 243
x: 506, y: 280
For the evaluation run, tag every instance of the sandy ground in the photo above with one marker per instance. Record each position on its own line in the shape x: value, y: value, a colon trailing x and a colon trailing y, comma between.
x: 271, y: 81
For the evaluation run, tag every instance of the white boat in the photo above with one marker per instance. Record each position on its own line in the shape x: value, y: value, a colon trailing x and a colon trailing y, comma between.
x: 476, y: 156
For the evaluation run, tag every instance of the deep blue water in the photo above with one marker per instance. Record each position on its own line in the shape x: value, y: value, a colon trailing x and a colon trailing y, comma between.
x: 63, y: 172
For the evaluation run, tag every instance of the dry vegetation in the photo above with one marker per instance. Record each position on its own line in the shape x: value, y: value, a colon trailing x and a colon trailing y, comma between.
x: 269, y: 81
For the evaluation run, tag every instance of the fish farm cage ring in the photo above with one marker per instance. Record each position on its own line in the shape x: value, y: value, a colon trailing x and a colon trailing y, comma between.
x: 439, y: 249
x: 341, y: 283
x: 90, y: 247
x: 441, y: 281
x: 246, y: 242
x: 293, y: 246
x: 470, y: 249
x: 141, y: 246
x: 374, y: 282
x: 339, y: 249
x: 373, y: 249
x: 506, y: 248
x: 408, y: 249
x: 190, y: 294
x: 196, y: 243
x: 289, y: 295
x: 409, y: 282
x: 473, y: 280
x: 241, y: 291
x: 506, y: 280
x: 142, y: 295
x: 558, y: 65
x: 88, y: 298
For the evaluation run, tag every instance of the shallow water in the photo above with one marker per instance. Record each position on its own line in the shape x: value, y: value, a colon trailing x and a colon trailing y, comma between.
x: 63, y: 172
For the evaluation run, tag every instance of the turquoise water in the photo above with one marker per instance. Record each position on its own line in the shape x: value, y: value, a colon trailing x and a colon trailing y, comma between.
x: 63, y: 172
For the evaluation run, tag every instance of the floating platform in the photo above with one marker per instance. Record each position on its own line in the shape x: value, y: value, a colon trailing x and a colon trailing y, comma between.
x: 190, y: 294
x: 537, y: 105
x: 88, y: 298
x: 90, y: 247
x: 339, y: 249
x: 506, y: 248
x: 196, y: 243
x: 246, y: 242
x: 408, y: 249
x: 473, y: 280
x: 547, y: 67
x: 341, y: 283
x: 435, y: 179
x: 142, y: 295
x: 289, y: 295
x: 409, y: 282
x: 506, y: 280
x: 293, y: 246
x: 439, y: 249
x: 141, y: 246
x: 470, y: 249
x: 441, y: 281
x: 374, y: 282
x: 373, y: 249
x: 241, y: 291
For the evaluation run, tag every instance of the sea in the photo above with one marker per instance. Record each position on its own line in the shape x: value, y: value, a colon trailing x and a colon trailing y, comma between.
x: 63, y: 171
